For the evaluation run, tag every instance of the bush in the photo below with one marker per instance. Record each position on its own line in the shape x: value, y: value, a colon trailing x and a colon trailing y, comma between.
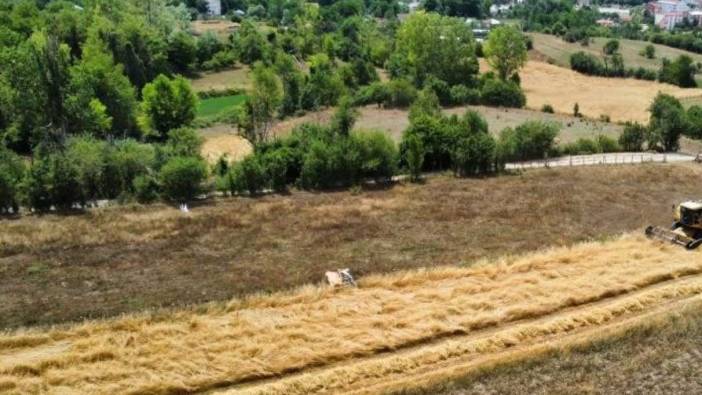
x: 633, y: 137
x: 474, y: 155
x: 502, y: 93
x: 414, y: 156
x: 401, y: 93
x: 275, y: 165
x: 11, y: 173
x: 378, y: 155
x: 249, y: 175
x: 586, y: 63
x: 694, y: 117
x: 323, y: 166
x: 582, y: 146
x: 181, y: 178
x: 547, y: 108
x: 530, y: 140
x: 461, y: 94
x: 607, y: 144
x: 146, y: 189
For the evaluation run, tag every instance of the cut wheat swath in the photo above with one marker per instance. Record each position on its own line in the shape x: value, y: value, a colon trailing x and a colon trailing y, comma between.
x: 268, y: 336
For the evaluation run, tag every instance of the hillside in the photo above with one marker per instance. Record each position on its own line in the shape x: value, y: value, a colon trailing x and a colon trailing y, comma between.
x: 559, y: 51
x: 400, y: 330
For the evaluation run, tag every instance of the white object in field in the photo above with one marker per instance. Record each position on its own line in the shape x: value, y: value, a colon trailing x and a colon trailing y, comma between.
x: 340, y: 278
x: 214, y: 7
x: 184, y: 208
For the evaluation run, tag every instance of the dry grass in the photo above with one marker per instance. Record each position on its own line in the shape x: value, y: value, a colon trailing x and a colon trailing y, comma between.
x: 395, y: 121
x: 235, y: 78
x: 125, y: 259
x: 224, y: 140
x: 313, y: 327
x: 559, y: 51
x: 621, y: 99
x: 660, y: 356
x: 220, y: 26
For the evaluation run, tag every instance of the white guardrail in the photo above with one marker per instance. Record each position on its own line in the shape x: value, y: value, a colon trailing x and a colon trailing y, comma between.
x: 603, y: 159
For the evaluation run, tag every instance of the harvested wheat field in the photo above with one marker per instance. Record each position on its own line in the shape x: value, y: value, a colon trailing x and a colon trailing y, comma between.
x: 407, y: 327
x: 221, y: 140
x: 621, y: 99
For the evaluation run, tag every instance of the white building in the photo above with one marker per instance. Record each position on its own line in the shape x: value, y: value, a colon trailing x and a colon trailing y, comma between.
x: 214, y: 7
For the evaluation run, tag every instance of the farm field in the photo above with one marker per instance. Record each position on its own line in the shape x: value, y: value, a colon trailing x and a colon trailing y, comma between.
x: 559, y: 51
x: 621, y: 99
x: 125, y: 259
x: 235, y: 78
x: 395, y: 121
x: 223, y: 140
x: 212, y: 107
x: 405, y: 329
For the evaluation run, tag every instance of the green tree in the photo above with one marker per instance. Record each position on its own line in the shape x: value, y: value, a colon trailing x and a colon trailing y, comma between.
x: 505, y: 51
x: 11, y: 173
x: 261, y: 107
x: 649, y: 51
x: 181, y: 178
x: 667, y: 123
x: 633, y: 137
x: 344, y: 118
x: 431, y: 45
x: 414, y: 156
x: 168, y: 104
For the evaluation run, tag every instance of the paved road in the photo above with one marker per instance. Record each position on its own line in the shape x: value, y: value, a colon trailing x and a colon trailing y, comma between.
x: 601, y: 159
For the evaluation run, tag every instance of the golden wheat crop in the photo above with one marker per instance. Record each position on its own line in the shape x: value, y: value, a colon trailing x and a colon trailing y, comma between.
x: 267, y: 336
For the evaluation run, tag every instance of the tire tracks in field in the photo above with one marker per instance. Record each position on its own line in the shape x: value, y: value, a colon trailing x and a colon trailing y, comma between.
x: 692, y: 280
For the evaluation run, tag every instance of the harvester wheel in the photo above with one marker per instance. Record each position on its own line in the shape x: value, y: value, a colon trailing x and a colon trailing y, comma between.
x: 694, y: 244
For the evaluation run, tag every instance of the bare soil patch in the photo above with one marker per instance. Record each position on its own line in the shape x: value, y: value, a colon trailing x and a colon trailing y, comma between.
x: 125, y: 259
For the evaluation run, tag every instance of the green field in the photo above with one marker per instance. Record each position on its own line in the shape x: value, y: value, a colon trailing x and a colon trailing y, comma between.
x: 559, y: 51
x: 215, y: 106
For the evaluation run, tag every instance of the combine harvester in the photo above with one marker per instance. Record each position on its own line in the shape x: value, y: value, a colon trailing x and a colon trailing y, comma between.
x: 687, y: 228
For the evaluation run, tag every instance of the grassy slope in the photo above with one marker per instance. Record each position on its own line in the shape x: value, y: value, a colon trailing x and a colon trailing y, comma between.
x: 235, y: 78
x: 560, y: 51
x: 106, y: 262
x: 212, y: 107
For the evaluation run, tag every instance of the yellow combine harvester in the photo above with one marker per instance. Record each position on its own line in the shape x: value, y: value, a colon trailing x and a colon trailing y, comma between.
x: 687, y: 228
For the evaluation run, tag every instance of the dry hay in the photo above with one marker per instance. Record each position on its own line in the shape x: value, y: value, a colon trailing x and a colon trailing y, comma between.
x: 623, y: 99
x: 224, y: 140
x: 246, y: 340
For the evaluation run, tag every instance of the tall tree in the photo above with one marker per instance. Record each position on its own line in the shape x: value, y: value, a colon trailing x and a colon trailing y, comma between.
x: 505, y: 51
x: 168, y: 104
x: 261, y: 107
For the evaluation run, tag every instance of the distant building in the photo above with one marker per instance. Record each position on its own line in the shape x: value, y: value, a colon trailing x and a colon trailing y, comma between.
x: 668, y: 13
x: 214, y: 7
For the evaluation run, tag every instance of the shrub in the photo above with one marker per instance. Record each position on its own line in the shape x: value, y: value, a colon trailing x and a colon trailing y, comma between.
x: 376, y: 93
x: 474, y: 155
x: 633, y: 137
x: 437, y: 140
x: 582, y: 146
x: 530, y: 140
x: 502, y: 93
x: 378, y: 155
x: 275, y: 165
x: 547, y: 108
x: 323, y: 166
x: 461, y: 94
x: 249, y: 175
x: 607, y: 144
x: 146, y: 188
x: 181, y: 178
x: 586, y: 63
x: 414, y: 156
x: 11, y: 173
x: 694, y: 117
x: 184, y: 142
x: 401, y: 93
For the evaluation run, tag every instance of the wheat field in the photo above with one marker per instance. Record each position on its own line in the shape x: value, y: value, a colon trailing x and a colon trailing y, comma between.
x: 317, y: 339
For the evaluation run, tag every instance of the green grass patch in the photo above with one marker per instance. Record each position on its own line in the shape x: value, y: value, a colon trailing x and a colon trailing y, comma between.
x: 215, y: 106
